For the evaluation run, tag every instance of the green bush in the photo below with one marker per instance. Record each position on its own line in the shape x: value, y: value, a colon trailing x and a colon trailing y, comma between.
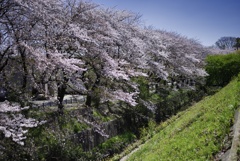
x: 143, y: 87
x: 221, y: 68
x: 149, y: 131
x: 117, y: 143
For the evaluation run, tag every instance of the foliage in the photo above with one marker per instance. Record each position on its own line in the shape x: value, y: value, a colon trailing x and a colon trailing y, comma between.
x: 196, y: 133
x: 149, y: 131
x: 56, y: 147
x: 98, y: 115
x: 221, y: 68
x: 117, y: 143
x: 54, y: 141
x: 143, y: 84
x: 237, y: 44
x: 50, y: 142
x: 144, y: 91
x: 177, y: 101
x: 14, y: 124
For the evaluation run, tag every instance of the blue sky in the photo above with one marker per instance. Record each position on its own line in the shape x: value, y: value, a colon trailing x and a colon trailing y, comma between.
x: 204, y: 20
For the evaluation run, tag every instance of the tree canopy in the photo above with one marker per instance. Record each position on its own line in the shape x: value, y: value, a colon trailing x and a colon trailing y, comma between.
x: 91, y: 50
x: 226, y: 42
x: 237, y: 43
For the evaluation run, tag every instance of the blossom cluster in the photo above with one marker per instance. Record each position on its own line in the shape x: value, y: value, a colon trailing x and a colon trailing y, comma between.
x: 13, y: 124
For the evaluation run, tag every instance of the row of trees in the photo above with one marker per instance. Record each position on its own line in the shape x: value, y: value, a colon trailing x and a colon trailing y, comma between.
x: 91, y: 50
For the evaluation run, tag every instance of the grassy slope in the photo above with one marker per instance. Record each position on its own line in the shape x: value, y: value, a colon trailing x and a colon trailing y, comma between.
x: 194, y: 134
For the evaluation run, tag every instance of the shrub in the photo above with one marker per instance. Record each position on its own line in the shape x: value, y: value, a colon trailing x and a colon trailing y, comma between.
x: 221, y: 68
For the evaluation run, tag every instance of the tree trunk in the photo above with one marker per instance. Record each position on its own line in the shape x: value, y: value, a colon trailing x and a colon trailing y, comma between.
x: 61, y: 93
x: 89, y: 100
x: 24, y: 66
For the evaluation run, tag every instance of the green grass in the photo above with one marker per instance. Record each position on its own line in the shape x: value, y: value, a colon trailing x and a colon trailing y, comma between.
x: 196, y: 133
x: 98, y: 115
x: 118, y: 142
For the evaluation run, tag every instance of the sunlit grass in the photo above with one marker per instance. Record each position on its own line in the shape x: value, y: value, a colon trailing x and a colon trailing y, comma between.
x: 194, y: 134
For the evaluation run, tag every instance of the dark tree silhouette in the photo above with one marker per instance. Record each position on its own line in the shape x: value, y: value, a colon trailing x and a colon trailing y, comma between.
x: 226, y: 42
x: 237, y: 44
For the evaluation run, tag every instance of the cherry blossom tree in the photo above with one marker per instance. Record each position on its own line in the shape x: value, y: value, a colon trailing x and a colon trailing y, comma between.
x: 37, y: 34
x: 102, y: 56
x: 59, y: 41
x: 91, y: 50
x: 116, y: 48
x: 13, y: 124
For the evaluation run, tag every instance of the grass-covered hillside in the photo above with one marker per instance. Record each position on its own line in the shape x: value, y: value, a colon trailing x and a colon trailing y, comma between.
x: 197, y: 133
